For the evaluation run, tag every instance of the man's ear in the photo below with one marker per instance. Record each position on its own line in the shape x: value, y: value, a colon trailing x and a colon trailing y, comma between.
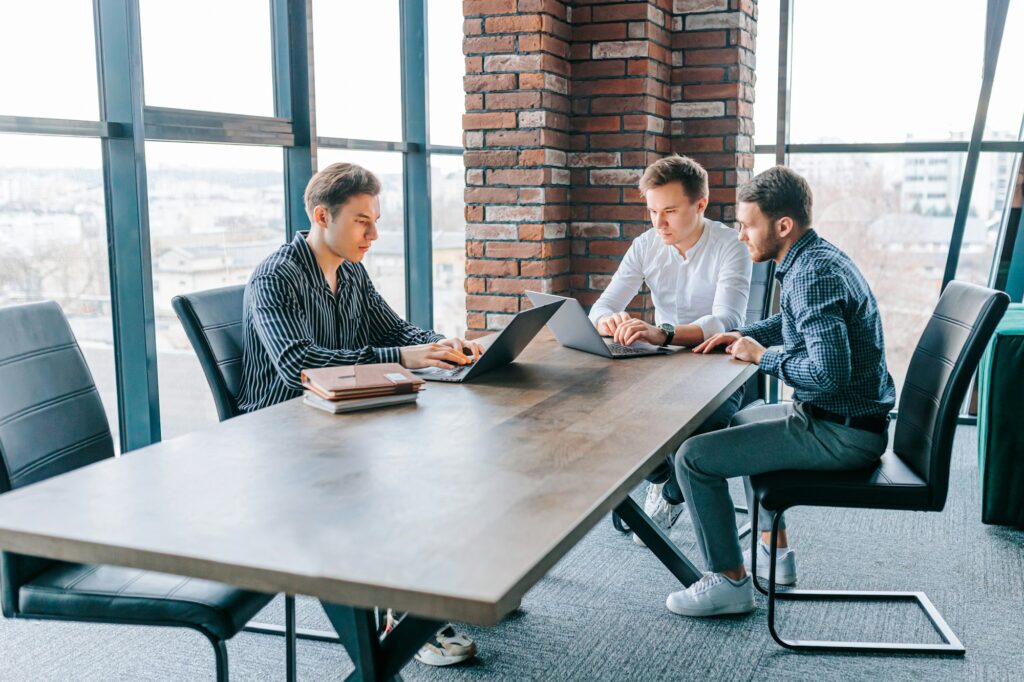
x: 702, y: 204
x: 320, y: 216
x: 785, y: 226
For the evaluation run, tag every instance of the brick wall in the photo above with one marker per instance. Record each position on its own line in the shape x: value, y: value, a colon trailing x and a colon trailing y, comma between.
x: 517, y: 140
x: 567, y: 103
x: 713, y: 94
x: 621, y: 67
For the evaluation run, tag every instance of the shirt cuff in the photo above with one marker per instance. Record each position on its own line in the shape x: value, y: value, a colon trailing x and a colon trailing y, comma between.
x: 596, y: 314
x: 771, y: 361
x: 710, y: 325
x: 392, y: 354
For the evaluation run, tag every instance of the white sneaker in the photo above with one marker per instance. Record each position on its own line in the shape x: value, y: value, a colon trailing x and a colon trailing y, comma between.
x: 447, y: 648
x: 785, y: 564
x: 713, y: 595
x: 662, y: 512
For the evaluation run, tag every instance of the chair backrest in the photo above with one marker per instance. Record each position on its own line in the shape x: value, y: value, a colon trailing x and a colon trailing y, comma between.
x: 51, y: 417
x: 938, y: 377
x: 213, y: 323
x: 759, y: 306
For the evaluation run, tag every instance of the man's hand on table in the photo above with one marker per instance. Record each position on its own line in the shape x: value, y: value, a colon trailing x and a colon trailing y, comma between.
x: 607, y: 325
x: 635, y: 330
x: 718, y: 341
x: 445, y: 354
x: 740, y: 347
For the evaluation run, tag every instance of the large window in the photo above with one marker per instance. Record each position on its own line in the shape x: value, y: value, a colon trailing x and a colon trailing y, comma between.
x: 53, y: 242
x: 48, y: 43
x: 218, y: 183
x: 446, y: 67
x: 882, y: 136
x: 215, y: 212
x: 358, y: 69
x: 447, y: 187
x: 896, y: 71
x: 210, y: 56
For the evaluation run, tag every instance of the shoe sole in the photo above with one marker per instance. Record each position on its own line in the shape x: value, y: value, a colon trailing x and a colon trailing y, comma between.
x: 784, y: 580
x: 442, y: 661
x: 732, y: 611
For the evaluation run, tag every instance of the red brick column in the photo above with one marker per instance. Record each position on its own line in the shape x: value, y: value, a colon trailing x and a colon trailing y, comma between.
x: 713, y: 94
x: 516, y: 140
x: 567, y: 103
x: 621, y: 66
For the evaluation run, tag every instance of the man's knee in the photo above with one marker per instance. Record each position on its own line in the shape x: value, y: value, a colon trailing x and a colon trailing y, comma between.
x: 690, y: 452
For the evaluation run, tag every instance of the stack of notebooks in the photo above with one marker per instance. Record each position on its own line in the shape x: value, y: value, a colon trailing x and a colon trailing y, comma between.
x: 359, y: 387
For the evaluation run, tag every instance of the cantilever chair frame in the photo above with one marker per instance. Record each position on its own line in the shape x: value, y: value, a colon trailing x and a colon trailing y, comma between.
x: 939, y: 448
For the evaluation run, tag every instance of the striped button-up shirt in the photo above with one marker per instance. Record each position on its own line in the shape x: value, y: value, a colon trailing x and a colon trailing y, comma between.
x: 293, y: 322
x: 830, y: 330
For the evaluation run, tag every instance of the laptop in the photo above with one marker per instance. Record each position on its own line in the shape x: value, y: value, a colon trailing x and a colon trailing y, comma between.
x: 505, y: 348
x: 573, y: 329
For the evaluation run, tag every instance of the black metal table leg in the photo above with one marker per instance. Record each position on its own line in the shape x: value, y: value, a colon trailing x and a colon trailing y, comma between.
x: 377, y: 658
x: 290, y: 644
x: 656, y: 540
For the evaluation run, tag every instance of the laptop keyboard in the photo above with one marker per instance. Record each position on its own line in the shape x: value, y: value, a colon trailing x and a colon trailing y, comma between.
x: 438, y: 374
x: 619, y: 349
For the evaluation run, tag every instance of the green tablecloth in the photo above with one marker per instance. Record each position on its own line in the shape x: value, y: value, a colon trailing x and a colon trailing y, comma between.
x: 1001, y: 423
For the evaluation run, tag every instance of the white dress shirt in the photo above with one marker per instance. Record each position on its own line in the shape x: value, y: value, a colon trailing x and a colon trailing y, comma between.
x: 708, y: 287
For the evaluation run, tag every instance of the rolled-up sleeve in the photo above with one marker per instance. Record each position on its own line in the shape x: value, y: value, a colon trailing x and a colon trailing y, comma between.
x: 732, y: 291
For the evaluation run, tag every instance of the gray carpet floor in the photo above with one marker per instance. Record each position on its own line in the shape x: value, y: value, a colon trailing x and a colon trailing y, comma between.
x: 600, y: 614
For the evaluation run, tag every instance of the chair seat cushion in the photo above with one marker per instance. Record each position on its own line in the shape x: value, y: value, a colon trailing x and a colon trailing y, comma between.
x: 891, y: 484
x: 87, y: 592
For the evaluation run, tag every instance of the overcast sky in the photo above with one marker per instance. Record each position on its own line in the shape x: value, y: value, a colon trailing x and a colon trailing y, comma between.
x: 876, y: 70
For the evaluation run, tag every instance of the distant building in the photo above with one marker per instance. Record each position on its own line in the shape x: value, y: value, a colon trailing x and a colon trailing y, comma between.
x: 932, y: 181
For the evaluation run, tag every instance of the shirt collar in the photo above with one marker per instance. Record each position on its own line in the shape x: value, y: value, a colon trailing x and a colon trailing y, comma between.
x: 308, y: 259
x: 794, y: 252
x: 698, y: 245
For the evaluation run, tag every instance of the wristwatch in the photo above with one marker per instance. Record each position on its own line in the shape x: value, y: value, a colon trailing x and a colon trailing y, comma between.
x: 670, y: 331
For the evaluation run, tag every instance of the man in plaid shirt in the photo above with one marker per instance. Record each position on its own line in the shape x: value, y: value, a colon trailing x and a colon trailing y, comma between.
x: 833, y: 355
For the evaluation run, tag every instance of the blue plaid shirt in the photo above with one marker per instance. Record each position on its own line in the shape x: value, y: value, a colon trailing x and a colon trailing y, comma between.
x: 833, y: 352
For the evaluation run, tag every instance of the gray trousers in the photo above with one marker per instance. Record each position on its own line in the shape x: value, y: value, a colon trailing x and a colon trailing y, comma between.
x: 760, y: 438
x: 719, y: 419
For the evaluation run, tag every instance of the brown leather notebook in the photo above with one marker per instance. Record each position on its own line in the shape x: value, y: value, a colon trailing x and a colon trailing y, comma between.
x: 360, y: 381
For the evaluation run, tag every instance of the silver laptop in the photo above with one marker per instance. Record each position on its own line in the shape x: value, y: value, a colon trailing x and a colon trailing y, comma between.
x: 503, y: 350
x: 573, y: 329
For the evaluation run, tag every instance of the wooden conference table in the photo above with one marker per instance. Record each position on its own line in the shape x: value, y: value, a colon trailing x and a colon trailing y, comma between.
x: 449, y: 509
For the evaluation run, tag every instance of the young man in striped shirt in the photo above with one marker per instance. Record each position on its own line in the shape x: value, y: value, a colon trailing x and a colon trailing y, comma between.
x: 311, y: 304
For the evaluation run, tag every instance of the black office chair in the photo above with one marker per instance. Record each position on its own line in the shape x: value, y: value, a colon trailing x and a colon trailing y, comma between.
x: 213, y: 324
x: 52, y: 422
x: 913, y: 475
x: 759, y: 306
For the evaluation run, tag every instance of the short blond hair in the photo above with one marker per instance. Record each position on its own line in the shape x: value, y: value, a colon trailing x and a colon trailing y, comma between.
x: 334, y: 185
x: 677, y: 168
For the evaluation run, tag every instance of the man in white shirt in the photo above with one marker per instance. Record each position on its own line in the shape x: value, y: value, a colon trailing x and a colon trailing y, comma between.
x: 699, y: 276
